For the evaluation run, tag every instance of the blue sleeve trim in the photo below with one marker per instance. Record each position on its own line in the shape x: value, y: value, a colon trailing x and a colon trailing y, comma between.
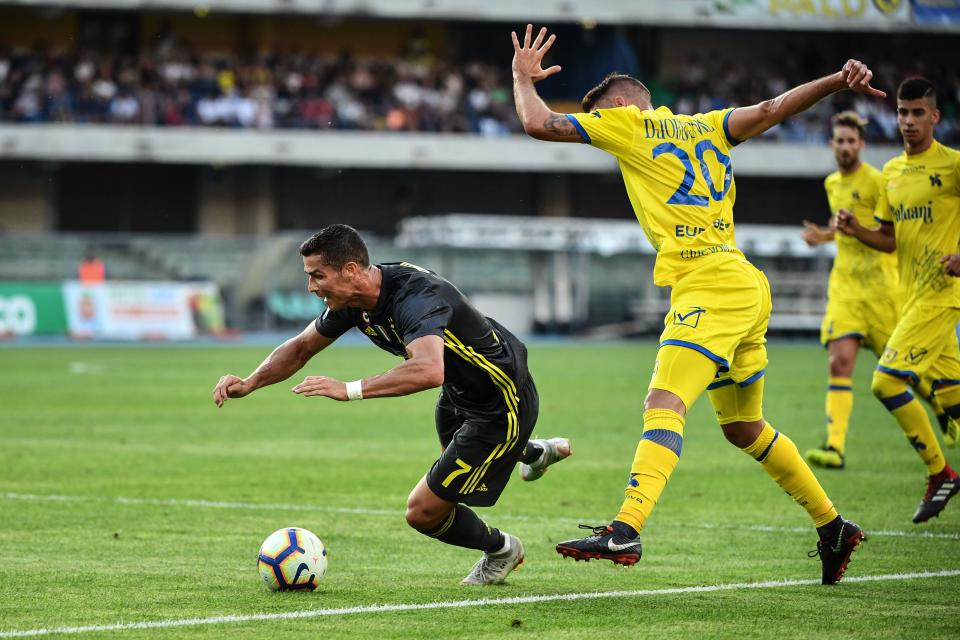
x: 749, y: 381
x: 900, y: 373
x: 724, y: 365
x: 583, y: 132
x: 881, y: 221
x: 726, y: 130
x: 897, y: 401
x: 719, y: 383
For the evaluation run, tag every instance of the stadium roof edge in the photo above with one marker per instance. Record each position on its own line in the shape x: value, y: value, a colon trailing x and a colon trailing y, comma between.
x: 677, y: 13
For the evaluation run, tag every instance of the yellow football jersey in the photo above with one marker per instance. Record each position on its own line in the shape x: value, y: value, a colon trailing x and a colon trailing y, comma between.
x: 921, y: 199
x: 679, y: 179
x: 859, y: 272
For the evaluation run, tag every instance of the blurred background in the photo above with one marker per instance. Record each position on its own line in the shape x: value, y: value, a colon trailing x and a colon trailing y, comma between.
x: 161, y: 160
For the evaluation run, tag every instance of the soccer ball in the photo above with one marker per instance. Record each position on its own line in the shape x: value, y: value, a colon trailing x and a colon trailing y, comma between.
x: 292, y: 559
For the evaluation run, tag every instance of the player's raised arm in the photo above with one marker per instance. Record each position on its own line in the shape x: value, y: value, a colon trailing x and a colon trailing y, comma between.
x: 422, y: 370
x: 747, y: 122
x: 282, y: 363
x: 538, y: 120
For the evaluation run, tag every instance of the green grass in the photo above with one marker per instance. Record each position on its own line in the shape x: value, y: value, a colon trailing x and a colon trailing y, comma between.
x: 139, y: 423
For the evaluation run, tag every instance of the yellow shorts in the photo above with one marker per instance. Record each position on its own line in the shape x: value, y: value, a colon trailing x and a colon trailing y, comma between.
x: 870, y: 320
x: 924, y: 345
x: 722, y: 311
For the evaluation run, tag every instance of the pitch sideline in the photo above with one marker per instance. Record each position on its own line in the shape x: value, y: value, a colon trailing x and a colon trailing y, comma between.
x: 456, y: 604
x: 215, y: 504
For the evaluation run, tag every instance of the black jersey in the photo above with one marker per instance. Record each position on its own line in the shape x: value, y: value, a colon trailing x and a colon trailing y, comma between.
x: 484, y: 364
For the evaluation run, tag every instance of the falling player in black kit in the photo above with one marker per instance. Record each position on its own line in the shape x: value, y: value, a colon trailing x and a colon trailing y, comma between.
x: 488, y: 403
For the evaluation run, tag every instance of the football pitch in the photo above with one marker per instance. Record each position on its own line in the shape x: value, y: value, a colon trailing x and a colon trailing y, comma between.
x: 130, y: 507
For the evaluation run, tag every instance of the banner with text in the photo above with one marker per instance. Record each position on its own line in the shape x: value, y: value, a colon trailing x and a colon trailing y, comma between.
x: 874, y: 13
x: 31, y: 308
x: 130, y: 310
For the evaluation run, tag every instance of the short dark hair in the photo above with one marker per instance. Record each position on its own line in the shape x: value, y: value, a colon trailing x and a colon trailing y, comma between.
x: 850, y: 119
x: 337, y: 245
x: 917, y: 88
x: 613, y: 79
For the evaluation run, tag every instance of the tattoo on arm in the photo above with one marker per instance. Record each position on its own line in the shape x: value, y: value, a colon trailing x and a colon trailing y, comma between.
x: 558, y: 123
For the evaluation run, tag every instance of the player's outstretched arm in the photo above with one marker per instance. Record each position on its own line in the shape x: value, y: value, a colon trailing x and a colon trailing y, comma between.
x: 282, y: 363
x: 746, y: 122
x: 882, y: 239
x: 422, y: 370
x: 538, y: 120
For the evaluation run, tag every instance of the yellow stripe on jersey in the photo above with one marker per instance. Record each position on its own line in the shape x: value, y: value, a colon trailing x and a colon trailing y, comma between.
x: 509, y: 391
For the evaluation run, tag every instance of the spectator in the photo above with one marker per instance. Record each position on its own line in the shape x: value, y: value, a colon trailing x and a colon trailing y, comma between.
x: 91, y: 269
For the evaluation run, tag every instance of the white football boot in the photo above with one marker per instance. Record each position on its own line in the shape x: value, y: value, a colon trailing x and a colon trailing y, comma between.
x: 554, y: 450
x: 493, y: 568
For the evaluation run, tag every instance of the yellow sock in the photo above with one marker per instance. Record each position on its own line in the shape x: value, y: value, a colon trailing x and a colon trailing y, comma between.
x: 780, y: 458
x: 911, y: 417
x: 656, y: 457
x: 948, y: 401
x: 839, y: 407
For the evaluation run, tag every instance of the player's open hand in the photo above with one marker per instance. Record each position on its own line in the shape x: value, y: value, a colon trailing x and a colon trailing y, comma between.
x: 229, y: 387
x: 857, y: 76
x: 322, y: 386
x: 951, y: 264
x: 847, y: 223
x: 528, y: 59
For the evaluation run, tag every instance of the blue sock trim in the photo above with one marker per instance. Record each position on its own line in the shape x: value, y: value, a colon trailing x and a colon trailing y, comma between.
x: 665, y: 438
x: 839, y: 387
x: 724, y: 365
x: 895, y: 402
x: 769, y: 446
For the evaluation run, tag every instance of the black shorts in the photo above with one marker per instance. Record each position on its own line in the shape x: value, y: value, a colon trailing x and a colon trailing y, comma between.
x: 480, y: 452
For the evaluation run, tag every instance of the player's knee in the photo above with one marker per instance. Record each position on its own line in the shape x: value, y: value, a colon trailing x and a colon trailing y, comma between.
x: 742, y: 434
x: 421, y: 517
x: 662, y: 399
x: 886, y: 386
x: 417, y: 517
x: 841, y: 365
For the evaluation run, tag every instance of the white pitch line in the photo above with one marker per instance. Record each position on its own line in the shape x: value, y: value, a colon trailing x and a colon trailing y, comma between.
x: 457, y: 604
x: 261, y: 506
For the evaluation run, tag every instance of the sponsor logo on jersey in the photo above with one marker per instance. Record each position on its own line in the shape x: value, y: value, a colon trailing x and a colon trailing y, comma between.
x: 920, y: 212
x: 688, y: 316
x: 916, y: 354
x: 686, y: 231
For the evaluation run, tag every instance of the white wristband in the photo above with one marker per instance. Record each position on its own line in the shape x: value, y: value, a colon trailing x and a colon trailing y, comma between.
x: 355, y: 390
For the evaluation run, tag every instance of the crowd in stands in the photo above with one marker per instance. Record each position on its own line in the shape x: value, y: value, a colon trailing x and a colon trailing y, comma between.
x: 175, y: 86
